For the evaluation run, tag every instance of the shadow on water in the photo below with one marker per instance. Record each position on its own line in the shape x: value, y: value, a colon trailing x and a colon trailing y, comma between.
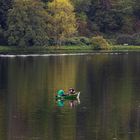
x: 109, y: 106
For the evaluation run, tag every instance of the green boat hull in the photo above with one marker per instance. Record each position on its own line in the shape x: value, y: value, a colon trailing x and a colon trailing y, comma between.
x: 68, y: 97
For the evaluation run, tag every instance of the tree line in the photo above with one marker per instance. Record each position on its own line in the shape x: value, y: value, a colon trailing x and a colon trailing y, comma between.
x: 54, y: 22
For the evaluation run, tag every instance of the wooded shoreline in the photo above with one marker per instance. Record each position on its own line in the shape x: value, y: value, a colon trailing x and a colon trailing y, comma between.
x: 69, y: 22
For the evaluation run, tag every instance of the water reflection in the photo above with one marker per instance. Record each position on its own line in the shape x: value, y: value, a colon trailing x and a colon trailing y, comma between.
x: 60, y: 103
x: 109, y: 103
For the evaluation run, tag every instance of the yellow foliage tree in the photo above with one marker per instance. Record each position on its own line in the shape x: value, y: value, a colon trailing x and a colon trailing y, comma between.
x: 61, y: 20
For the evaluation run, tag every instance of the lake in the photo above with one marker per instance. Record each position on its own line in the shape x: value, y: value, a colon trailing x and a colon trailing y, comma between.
x: 109, y: 106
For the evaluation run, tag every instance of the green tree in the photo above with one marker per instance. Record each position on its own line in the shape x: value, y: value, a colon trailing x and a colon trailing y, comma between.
x: 107, y: 21
x: 136, y: 9
x: 82, y: 24
x: 5, y: 5
x: 2, y: 38
x: 46, y: 1
x: 106, y: 4
x: 27, y: 23
x: 61, y: 20
x: 82, y: 5
x: 136, y: 12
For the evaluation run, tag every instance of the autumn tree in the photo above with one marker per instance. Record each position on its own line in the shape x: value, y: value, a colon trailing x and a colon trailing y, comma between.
x: 61, y: 20
x: 27, y: 23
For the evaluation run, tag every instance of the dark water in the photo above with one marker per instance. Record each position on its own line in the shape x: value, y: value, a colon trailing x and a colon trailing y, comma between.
x: 109, y: 106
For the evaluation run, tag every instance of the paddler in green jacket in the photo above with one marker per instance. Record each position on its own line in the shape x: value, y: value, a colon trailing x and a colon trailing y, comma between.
x: 60, y: 93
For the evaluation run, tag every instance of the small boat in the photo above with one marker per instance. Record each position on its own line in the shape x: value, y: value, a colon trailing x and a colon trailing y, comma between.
x: 69, y: 96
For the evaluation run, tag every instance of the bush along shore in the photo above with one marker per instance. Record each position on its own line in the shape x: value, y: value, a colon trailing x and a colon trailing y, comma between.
x: 75, y: 44
x: 72, y: 45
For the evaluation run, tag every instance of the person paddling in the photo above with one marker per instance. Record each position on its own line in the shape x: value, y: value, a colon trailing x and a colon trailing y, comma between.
x: 71, y: 91
x: 60, y: 93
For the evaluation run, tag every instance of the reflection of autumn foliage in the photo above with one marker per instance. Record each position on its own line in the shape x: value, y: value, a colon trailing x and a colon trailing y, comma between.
x: 63, y: 73
x: 35, y: 83
x: 35, y: 80
x: 109, y: 85
x: 112, y: 96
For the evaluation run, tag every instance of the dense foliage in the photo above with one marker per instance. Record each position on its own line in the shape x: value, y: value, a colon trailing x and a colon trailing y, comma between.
x: 50, y: 22
x: 99, y: 43
x: 27, y: 24
x: 61, y: 20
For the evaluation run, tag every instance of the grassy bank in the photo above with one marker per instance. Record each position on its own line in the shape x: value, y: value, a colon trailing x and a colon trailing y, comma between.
x: 56, y: 49
x: 63, y: 49
x: 126, y: 47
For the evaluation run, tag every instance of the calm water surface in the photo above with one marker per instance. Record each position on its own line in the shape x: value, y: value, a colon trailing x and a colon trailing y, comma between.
x: 109, y: 106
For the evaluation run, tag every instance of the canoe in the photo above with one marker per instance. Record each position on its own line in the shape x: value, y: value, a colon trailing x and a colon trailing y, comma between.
x: 69, y: 97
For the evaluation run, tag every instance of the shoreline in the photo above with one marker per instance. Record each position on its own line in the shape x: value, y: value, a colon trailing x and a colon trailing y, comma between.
x: 65, y: 49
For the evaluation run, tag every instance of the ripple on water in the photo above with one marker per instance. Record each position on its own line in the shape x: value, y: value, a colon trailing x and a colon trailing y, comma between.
x: 65, y: 54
